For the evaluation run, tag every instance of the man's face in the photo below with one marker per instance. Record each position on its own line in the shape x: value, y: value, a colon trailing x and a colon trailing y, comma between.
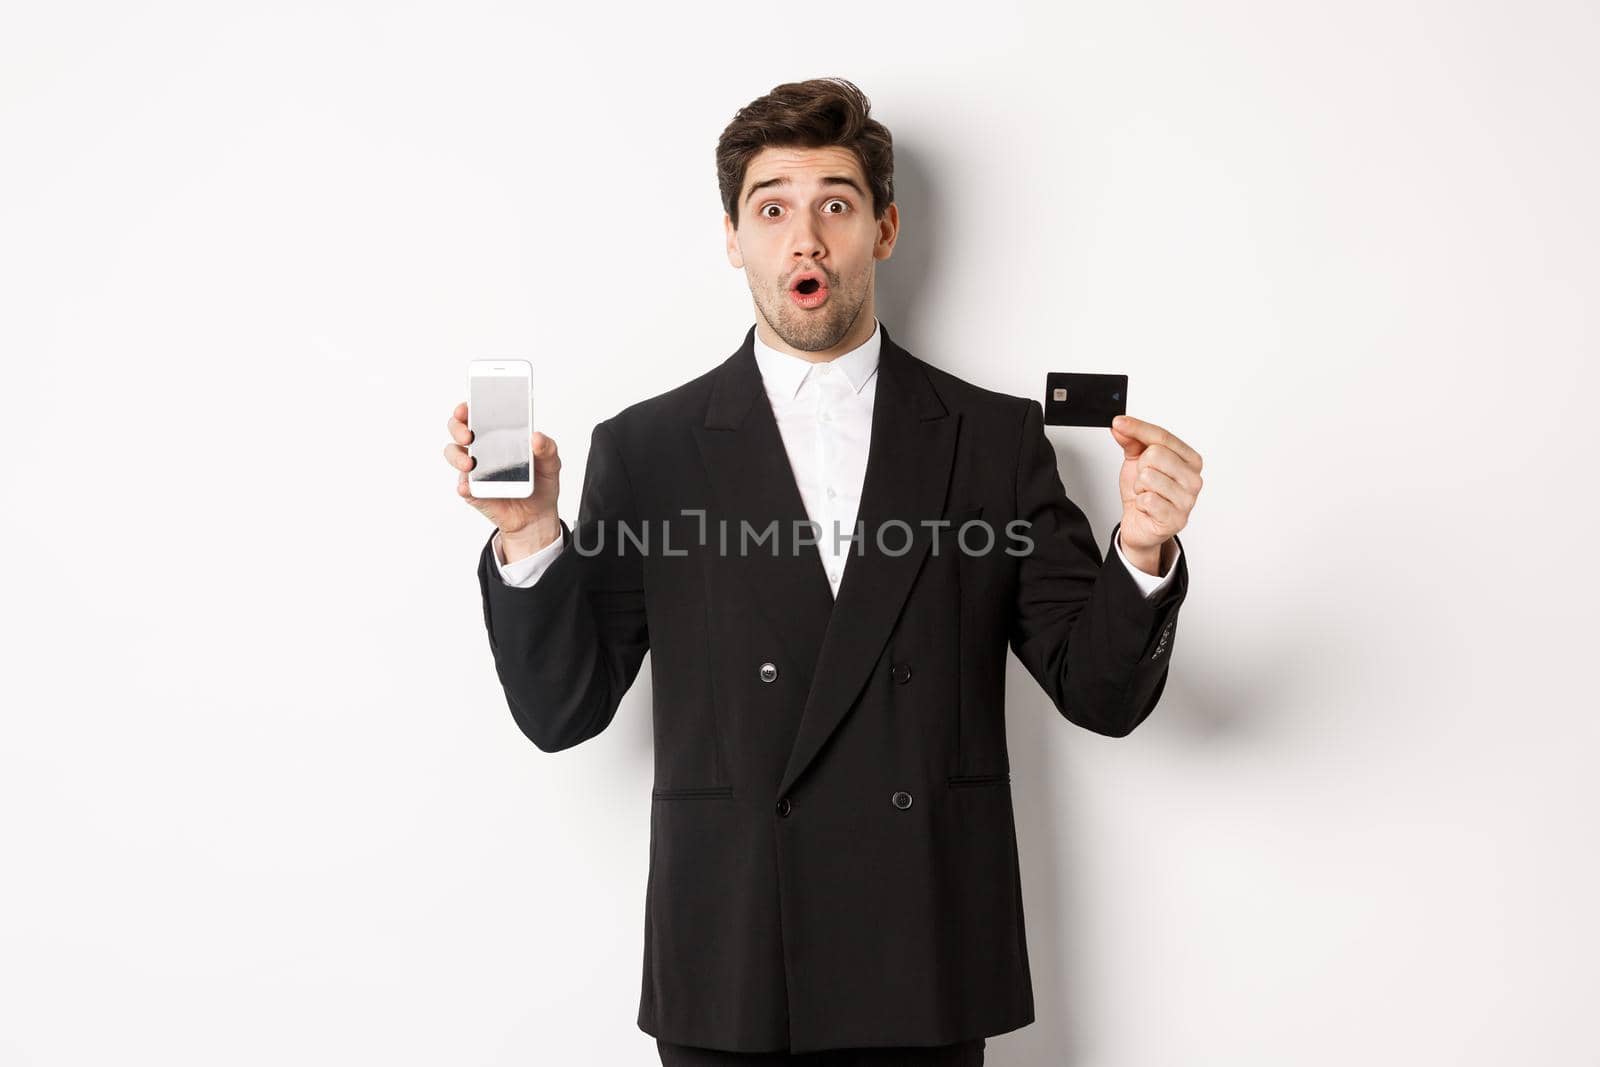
x: 809, y: 209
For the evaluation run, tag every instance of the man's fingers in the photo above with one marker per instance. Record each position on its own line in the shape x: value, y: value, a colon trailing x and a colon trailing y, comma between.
x: 1131, y: 446
x: 458, y: 458
x: 1153, y: 480
x: 1150, y: 434
x: 1169, y: 463
x: 1158, y: 508
x: 456, y: 424
x: 546, y: 457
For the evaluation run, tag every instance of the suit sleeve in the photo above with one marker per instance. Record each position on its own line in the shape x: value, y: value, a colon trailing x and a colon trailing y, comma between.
x: 1082, y: 626
x: 567, y: 648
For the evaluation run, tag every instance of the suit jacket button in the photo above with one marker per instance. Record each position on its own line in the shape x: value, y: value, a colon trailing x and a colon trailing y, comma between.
x: 784, y: 807
x: 902, y: 672
x: 901, y: 800
x: 769, y: 672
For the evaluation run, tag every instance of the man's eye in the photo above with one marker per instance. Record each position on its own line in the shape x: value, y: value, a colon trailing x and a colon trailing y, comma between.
x: 843, y: 203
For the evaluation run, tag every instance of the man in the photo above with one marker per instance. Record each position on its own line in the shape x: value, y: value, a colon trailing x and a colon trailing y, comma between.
x: 833, y: 858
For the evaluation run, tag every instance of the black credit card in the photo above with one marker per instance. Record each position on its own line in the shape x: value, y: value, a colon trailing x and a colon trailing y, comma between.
x: 1084, y: 399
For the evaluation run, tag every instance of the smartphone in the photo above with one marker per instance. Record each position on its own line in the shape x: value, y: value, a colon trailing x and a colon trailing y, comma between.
x: 500, y: 416
x: 1084, y: 399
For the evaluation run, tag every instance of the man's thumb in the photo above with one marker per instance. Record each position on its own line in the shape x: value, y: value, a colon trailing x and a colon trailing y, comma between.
x: 1131, y: 446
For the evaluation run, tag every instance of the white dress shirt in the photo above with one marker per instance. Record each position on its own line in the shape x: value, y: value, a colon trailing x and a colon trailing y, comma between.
x: 824, y: 412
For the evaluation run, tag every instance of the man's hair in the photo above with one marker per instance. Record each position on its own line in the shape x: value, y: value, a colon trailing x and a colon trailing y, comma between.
x: 817, y: 113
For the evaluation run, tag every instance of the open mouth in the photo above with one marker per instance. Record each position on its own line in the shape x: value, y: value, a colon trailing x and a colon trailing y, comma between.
x: 810, y: 291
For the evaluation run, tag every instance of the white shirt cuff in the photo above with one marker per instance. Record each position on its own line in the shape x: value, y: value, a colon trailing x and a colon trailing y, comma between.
x: 1149, y: 584
x: 525, y: 571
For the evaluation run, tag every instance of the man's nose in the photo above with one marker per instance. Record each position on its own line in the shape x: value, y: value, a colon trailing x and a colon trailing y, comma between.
x: 807, y: 243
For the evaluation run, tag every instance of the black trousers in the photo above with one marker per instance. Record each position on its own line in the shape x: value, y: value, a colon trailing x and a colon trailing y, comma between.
x: 960, y: 1054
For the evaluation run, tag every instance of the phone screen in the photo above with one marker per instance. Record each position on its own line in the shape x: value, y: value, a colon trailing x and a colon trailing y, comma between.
x: 501, y: 433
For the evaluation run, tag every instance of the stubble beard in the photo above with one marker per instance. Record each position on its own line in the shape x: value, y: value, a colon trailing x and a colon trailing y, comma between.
x: 815, y: 330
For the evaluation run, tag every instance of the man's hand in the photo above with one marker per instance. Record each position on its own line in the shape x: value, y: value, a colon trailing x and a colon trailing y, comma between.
x: 1160, y: 482
x: 525, y: 525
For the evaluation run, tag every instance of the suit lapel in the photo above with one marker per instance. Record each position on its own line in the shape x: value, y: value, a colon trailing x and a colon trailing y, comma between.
x: 909, y: 459
x: 753, y: 484
x: 908, y: 470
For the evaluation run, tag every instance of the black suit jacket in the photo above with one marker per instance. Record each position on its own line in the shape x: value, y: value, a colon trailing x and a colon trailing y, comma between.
x: 833, y: 856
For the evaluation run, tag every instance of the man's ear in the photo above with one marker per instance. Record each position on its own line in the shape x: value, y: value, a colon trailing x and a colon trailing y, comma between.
x: 735, y: 256
x: 888, y: 232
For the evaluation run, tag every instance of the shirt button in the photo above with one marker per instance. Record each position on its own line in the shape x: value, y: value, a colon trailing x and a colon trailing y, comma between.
x: 769, y: 672
x: 901, y: 800
x: 784, y: 807
x: 831, y: 493
x: 824, y: 417
x: 901, y: 672
x: 824, y: 368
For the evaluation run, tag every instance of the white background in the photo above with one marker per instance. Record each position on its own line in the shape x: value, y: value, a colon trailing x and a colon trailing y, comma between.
x: 263, y: 799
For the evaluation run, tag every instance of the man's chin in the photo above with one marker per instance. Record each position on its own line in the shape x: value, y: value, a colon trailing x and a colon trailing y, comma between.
x: 812, y: 331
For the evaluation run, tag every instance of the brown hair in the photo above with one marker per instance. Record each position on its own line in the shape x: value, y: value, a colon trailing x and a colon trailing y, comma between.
x: 817, y: 113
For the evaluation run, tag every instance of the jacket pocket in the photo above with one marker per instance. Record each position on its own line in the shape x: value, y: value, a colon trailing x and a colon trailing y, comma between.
x: 961, y: 781
x: 692, y: 791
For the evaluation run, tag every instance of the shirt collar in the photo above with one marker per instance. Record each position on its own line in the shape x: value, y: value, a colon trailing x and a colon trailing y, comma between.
x: 783, y: 373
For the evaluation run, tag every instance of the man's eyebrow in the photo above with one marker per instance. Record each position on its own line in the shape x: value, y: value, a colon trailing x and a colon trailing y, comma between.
x: 832, y: 179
